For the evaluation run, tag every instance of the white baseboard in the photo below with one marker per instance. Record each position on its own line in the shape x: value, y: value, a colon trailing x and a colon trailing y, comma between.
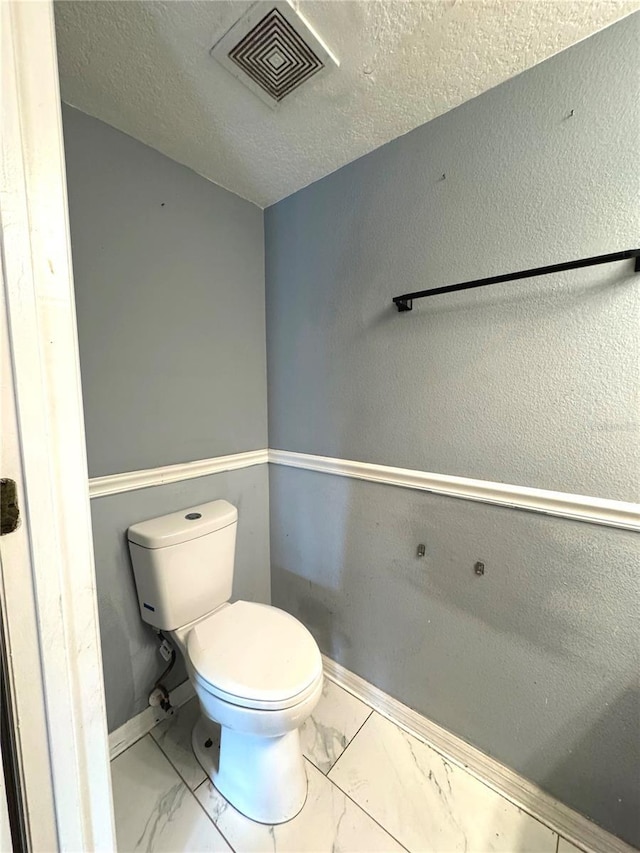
x: 142, y: 723
x: 569, y: 824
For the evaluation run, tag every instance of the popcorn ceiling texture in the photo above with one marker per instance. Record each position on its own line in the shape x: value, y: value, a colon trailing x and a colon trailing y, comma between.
x: 145, y: 68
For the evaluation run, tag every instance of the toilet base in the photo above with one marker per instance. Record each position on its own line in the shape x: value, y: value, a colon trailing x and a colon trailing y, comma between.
x: 264, y: 778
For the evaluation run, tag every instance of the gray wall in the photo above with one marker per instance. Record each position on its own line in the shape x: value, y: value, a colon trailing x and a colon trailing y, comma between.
x: 169, y: 281
x: 536, y: 662
x: 531, y: 383
x: 169, y: 277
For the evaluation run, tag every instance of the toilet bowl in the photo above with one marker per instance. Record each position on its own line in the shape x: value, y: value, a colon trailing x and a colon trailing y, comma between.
x: 257, y: 671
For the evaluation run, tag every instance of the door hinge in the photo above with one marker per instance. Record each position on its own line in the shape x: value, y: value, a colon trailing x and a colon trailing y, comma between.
x: 9, y: 510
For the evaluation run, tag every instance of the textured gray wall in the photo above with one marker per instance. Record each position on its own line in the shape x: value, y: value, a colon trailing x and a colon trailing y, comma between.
x: 129, y: 648
x: 169, y: 278
x: 169, y: 281
x: 531, y: 383
x: 536, y: 662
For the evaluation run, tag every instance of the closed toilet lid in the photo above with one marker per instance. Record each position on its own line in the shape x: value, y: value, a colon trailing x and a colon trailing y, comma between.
x: 254, y: 651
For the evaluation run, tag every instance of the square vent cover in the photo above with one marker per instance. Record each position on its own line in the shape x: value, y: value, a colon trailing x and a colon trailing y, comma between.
x: 273, y: 51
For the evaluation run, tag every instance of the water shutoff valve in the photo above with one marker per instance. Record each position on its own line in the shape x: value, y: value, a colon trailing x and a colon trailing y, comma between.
x: 157, y: 697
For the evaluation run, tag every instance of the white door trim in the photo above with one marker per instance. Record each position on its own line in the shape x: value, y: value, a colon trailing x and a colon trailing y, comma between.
x: 47, y: 573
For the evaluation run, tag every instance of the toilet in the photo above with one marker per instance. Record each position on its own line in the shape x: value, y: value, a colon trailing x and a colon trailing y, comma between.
x: 256, y: 670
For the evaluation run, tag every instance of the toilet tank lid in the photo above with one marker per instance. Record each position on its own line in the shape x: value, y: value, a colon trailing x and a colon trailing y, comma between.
x: 184, y: 525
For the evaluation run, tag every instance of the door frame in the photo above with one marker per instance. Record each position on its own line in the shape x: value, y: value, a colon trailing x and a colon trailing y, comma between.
x: 48, y: 597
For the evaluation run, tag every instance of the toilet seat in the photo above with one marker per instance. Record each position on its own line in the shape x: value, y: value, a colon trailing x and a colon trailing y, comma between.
x: 251, y: 704
x: 255, y: 656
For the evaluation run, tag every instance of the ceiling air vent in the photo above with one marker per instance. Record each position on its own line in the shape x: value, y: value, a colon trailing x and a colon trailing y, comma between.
x: 273, y: 51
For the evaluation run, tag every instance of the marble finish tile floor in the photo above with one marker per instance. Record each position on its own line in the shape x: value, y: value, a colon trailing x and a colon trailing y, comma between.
x: 428, y: 803
x: 373, y: 788
x: 565, y: 846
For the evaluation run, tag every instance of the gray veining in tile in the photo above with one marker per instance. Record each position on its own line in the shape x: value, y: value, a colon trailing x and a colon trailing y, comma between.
x: 567, y: 847
x: 173, y: 736
x: 429, y: 804
x: 154, y: 809
x: 335, y: 721
x: 329, y: 821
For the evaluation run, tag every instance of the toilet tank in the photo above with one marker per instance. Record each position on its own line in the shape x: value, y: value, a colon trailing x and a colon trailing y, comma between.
x: 183, y: 563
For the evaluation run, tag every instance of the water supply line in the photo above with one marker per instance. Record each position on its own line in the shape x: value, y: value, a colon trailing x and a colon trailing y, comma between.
x: 160, y: 695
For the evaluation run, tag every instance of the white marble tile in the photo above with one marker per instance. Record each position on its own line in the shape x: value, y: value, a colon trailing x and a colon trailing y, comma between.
x: 329, y: 821
x: 427, y: 803
x: 336, y: 719
x: 567, y: 847
x: 173, y: 736
x: 154, y: 809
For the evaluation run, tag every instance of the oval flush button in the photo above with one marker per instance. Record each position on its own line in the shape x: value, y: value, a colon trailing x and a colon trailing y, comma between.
x: 193, y: 515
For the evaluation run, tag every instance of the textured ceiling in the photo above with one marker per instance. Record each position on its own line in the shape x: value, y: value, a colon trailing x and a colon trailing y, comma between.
x: 145, y: 68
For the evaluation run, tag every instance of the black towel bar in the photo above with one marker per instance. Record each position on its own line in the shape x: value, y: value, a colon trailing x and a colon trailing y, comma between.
x: 405, y: 302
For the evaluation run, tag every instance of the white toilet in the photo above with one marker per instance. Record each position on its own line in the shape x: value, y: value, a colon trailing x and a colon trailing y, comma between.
x: 256, y: 670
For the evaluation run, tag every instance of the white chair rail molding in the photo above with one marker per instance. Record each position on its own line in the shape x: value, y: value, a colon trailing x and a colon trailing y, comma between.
x: 610, y: 513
